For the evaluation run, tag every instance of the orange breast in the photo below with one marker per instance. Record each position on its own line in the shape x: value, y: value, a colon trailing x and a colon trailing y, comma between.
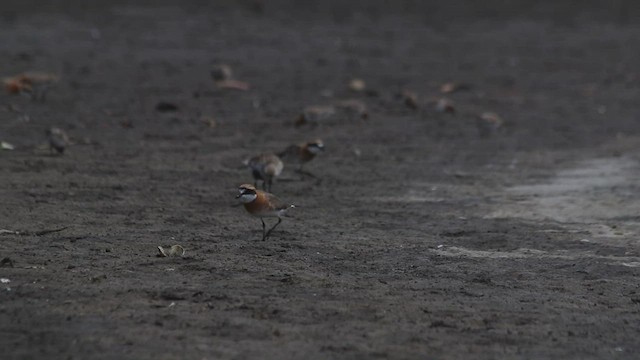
x: 260, y: 205
x: 305, y: 155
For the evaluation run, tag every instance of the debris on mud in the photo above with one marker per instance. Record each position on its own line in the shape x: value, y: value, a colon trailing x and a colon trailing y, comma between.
x: 353, y: 109
x: 451, y: 87
x: 222, y: 72
x: 357, y: 85
x: 209, y: 121
x: 444, y: 105
x: 6, y: 262
x: 232, y: 84
x: 6, y: 146
x: 58, y: 140
x: 223, y: 77
x: 342, y: 110
x: 409, y: 98
x: 315, y: 115
x: 489, y: 123
x: 164, y: 106
x: 173, y: 251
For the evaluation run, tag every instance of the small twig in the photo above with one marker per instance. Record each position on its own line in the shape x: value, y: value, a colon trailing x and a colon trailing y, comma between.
x: 49, y: 231
x: 36, y: 233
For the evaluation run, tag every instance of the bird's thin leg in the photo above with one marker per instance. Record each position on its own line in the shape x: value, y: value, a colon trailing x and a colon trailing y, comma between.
x: 300, y: 171
x: 304, y: 173
x: 274, y: 226
x: 264, y: 233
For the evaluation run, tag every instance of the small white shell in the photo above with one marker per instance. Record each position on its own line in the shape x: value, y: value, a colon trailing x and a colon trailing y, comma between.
x: 174, y: 250
x: 6, y: 146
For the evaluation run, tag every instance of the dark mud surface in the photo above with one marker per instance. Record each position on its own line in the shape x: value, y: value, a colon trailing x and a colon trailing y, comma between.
x: 418, y: 238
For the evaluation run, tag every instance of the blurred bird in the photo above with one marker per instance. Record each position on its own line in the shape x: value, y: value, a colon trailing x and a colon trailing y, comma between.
x: 222, y: 72
x: 488, y: 123
x: 357, y: 85
x: 444, y: 105
x: 314, y: 115
x: 265, y: 167
x: 58, y: 140
x: 410, y: 99
x: 35, y: 84
x: 302, y: 153
x: 353, y: 109
x: 451, y: 87
x: 223, y: 77
x: 332, y: 114
x: 262, y: 204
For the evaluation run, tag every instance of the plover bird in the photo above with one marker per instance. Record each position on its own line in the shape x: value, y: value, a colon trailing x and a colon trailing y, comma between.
x: 34, y: 83
x: 265, y: 167
x: 302, y: 153
x: 262, y: 204
x: 58, y: 140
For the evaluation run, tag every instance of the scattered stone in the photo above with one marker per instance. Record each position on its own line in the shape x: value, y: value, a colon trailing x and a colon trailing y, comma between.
x: 210, y: 121
x: 127, y: 124
x: 171, y: 295
x: 444, y: 105
x: 315, y: 114
x: 232, y: 84
x: 58, y: 140
x: 6, y: 262
x: 357, y: 85
x: 223, y: 77
x: 222, y: 72
x: 451, y: 87
x: 489, y: 123
x: 164, y: 106
x: 353, y: 108
x: 98, y: 278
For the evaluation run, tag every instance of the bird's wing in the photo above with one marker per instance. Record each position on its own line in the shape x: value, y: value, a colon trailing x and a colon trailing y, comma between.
x: 277, y: 203
x: 289, y: 151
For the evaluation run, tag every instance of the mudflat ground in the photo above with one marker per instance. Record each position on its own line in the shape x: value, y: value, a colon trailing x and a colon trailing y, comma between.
x: 418, y: 238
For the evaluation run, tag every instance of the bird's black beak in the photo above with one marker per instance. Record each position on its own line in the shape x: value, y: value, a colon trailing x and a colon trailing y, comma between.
x: 238, y: 196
